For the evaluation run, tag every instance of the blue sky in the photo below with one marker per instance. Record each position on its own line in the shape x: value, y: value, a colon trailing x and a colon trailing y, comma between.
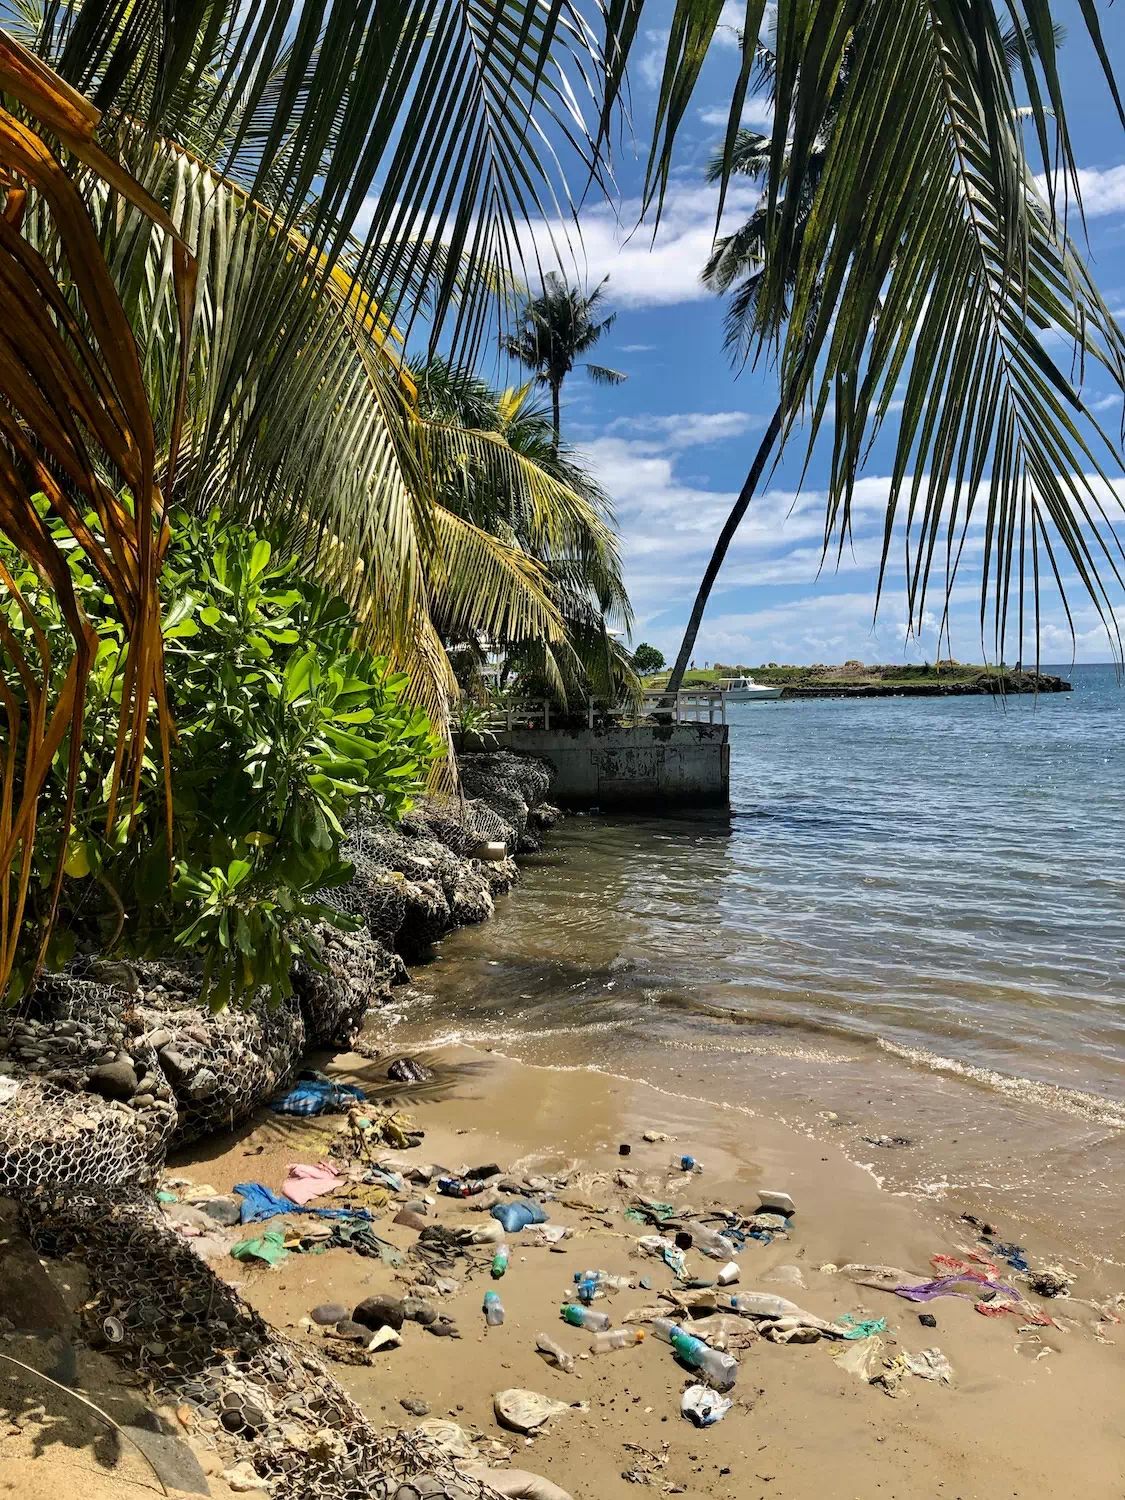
x: 672, y: 445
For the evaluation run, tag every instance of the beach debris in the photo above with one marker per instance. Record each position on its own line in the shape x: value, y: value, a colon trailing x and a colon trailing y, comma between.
x: 415, y: 1406
x: 450, y: 1437
x: 685, y: 1163
x: 385, y: 1338
x: 525, y: 1411
x: 409, y: 1070
x: 305, y: 1182
x: 584, y: 1317
x: 380, y: 1312
x: 929, y: 1364
x: 460, y: 1187
x: 981, y: 1225
x: 650, y: 1211
x: 418, y: 1310
x: 624, y: 1149
x: 771, y: 1223
x: 729, y: 1273
x: 545, y: 1344
x: 649, y: 1468
x: 786, y: 1276
x: 862, y: 1358
x: 443, y: 1327
x: 269, y: 1247
x: 329, y: 1312
x: 616, y: 1338
x: 500, y: 1261
x: 927, y: 1320
x: 790, y: 1331
x: 315, y: 1094
x: 670, y: 1254
x: 515, y: 1484
x: 704, y: 1407
x: 718, y: 1367
x: 518, y: 1213
x: 409, y: 1218
x: 489, y: 1233
x: 550, y: 1234
x: 242, y: 1477
x: 780, y: 1203
x: 1015, y: 1255
x: 653, y: 1136
x: 888, y: 1142
x: 493, y: 1309
x: 725, y: 1333
x: 1052, y: 1282
x: 861, y: 1328
x: 947, y: 1286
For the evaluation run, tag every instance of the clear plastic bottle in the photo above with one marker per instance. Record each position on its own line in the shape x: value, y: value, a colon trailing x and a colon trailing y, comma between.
x: 500, y: 1261
x: 585, y: 1317
x: 762, y: 1305
x: 719, y: 1369
x: 664, y: 1328
x: 546, y: 1345
x: 710, y: 1242
x: 616, y: 1338
x: 493, y: 1309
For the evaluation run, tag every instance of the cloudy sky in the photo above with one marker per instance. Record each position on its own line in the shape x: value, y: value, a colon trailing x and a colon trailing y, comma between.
x: 672, y: 445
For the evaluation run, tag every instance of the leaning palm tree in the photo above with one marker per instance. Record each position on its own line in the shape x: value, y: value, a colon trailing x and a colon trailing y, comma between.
x: 555, y: 329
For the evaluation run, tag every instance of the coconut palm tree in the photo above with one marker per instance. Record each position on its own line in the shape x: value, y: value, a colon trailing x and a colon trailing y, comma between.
x: 557, y: 327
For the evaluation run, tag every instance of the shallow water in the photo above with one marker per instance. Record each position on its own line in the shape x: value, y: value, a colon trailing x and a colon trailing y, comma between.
x: 909, y: 926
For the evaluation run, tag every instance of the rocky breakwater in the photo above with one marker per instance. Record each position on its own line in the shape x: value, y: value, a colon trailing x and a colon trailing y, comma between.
x: 106, y: 1067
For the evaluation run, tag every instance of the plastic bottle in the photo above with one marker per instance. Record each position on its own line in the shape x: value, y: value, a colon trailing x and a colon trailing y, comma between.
x: 710, y: 1242
x: 685, y: 1164
x: 616, y: 1338
x: 493, y: 1309
x: 588, y: 1289
x: 546, y: 1344
x: 664, y: 1328
x: 719, y: 1369
x: 460, y: 1187
x: 584, y: 1317
x: 500, y: 1262
x: 762, y: 1305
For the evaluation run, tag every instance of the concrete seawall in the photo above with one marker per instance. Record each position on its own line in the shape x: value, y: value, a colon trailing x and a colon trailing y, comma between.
x: 644, y: 766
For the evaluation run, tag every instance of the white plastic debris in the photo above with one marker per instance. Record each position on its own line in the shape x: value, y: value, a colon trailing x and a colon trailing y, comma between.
x: 653, y: 1136
x: 862, y: 1358
x: 704, y: 1407
x: 786, y: 1276
x: 525, y: 1411
x: 780, y: 1203
x: 729, y: 1273
x: 515, y: 1484
x: 929, y: 1364
x: 448, y: 1436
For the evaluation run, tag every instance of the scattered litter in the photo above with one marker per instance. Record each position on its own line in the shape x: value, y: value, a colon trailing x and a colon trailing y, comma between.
x: 525, y: 1411
x: 685, y: 1164
x: 649, y: 1468
x: 1049, y: 1283
x: 786, y: 1276
x: 888, y: 1141
x: 864, y: 1328
x: 981, y: 1269
x: 242, y: 1477
x: 927, y: 1320
x: 409, y: 1070
x: 460, y: 1187
x: 929, y: 1364
x: 515, y: 1484
x: 780, y: 1203
x: 305, y: 1182
x: 550, y: 1234
x: 317, y: 1095
x: 447, y: 1436
x: 518, y: 1213
x: 1015, y: 1255
x: 269, y: 1247
x: 704, y: 1407
x: 650, y: 1211
x: 729, y: 1273
x: 260, y: 1202
x: 652, y: 1136
x: 862, y: 1359
x: 555, y: 1351
x: 947, y: 1286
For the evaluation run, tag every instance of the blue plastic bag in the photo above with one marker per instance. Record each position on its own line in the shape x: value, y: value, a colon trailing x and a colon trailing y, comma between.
x: 518, y: 1214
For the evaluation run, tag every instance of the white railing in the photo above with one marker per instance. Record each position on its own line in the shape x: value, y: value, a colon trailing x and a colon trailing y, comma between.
x: 690, y: 706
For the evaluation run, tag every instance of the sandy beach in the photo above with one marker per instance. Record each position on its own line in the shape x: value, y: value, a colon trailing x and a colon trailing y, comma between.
x: 1031, y: 1411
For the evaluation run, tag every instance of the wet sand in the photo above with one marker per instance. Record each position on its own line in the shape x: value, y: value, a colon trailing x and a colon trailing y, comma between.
x: 1028, y: 1415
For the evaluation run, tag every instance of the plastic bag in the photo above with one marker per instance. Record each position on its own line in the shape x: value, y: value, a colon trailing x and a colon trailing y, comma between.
x: 518, y: 1213
x: 525, y: 1411
x: 516, y: 1484
x: 862, y: 1359
x: 704, y: 1407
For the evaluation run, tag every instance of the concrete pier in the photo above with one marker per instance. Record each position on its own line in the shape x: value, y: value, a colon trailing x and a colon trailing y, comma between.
x: 650, y: 766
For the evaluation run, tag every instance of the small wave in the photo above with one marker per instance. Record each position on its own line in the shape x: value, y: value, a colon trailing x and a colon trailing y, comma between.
x: 1053, y: 1096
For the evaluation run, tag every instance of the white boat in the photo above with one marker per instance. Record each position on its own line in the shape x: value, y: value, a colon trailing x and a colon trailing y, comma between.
x: 746, y: 690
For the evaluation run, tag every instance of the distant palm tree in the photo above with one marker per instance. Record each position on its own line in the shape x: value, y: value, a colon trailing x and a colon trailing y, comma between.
x: 556, y: 327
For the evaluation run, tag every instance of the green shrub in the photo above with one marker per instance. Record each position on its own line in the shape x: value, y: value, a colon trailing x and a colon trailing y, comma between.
x: 283, y: 729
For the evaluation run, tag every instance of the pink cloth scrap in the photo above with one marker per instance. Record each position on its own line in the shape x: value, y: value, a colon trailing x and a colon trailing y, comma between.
x: 305, y: 1182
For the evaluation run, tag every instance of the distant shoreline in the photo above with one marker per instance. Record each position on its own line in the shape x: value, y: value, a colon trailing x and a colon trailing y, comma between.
x: 857, y: 680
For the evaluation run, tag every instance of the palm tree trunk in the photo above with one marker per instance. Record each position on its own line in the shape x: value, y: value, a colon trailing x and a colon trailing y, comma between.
x: 718, y: 557
x: 556, y: 415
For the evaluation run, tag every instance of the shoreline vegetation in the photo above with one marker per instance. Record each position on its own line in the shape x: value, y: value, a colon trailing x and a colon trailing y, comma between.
x: 856, y: 679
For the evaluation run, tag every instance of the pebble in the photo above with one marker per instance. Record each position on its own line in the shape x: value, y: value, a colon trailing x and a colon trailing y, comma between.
x: 113, y: 1080
x: 415, y: 1406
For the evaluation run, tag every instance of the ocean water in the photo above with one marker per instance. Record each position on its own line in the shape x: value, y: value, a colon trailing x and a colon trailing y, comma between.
x: 909, y: 929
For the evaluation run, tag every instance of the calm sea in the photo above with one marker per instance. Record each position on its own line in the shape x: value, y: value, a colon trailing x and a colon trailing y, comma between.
x: 909, y: 927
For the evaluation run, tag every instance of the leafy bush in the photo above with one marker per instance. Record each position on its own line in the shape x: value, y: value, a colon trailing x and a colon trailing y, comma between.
x: 283, y: 730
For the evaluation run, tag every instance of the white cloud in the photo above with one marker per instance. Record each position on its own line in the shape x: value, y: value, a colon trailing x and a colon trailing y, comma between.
x: 645, y: 271
x: 638, y: 348
x: 689, y: 429
x: 1103, y: 190
x: 755, y: 112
